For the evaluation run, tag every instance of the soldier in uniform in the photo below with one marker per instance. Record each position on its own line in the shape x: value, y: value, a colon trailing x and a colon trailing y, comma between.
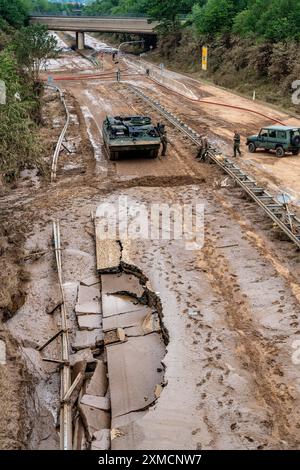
x: 202, y: 148
x: 163, y: 137
x: 236, y: 143
x: 164, y: 141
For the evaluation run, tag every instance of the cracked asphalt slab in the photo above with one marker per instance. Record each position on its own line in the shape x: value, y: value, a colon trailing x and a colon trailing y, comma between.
x: 231, y: 308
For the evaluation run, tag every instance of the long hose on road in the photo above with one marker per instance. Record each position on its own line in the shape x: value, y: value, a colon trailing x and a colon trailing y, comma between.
x: 214, y: 103
x: 111, y: 75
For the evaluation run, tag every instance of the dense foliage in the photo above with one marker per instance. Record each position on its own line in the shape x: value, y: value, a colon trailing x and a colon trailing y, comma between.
x: 274, y: 20
x: 18, y: 143
x: 22, y: 51
x: 14, y: 12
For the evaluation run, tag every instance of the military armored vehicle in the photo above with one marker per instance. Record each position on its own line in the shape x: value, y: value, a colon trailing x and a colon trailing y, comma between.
x: 126, y: 136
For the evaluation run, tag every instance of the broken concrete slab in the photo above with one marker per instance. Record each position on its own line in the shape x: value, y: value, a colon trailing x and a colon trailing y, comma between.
x: 91, y: 281
x: 89, y: 321
x: 114, y: 304
x: 101, y: 440
x: 82, y: 355
x: 94, y: 419
x: 88, y: 294
x: 98, y: 384
x: 88, y: 300
x: 127, y: 437
x: 87, y: 339
x: 87, y: 308
x: 151, y: 323
x: 121, y: 283
x: 134, y: 370
x: 101, y: 403
x: 113, y: 337
x: 120, y: 421
x: 128, y: 262
x: 126, y: 320
x: 134, y: 331
x: 108, y: 254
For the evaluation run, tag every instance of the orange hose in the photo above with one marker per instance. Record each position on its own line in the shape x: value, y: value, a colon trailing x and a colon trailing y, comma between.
x: 240, y: 108
x: 194, y: 100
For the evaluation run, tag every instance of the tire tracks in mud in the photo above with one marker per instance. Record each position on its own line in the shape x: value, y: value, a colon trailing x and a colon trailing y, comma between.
x: 256, y: 353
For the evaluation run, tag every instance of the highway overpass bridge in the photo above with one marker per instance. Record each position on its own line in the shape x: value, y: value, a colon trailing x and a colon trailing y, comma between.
x: 82, y: 24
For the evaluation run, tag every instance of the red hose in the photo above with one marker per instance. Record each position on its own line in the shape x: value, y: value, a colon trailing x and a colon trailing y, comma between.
x: 197, y: 100
x: 194, y: 100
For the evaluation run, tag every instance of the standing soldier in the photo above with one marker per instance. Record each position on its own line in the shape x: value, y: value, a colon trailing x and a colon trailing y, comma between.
x: 163, y: 137
x: 202, y: 148
x: 118, y: 73
x: 164, y: 141
x: 236, y: 143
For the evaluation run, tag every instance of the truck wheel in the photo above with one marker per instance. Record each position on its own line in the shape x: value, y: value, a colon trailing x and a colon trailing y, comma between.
x: 296, y: 140
x: 280, y: 152
x: 295, y: 152
x: 251, y: 147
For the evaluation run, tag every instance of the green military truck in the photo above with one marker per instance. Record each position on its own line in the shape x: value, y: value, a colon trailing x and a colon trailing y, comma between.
x: 126, y: 136
x: 281, y: 139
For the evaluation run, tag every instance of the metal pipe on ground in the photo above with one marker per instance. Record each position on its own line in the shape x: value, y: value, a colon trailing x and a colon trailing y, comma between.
x: 66, y: 407
x: 62, y: 134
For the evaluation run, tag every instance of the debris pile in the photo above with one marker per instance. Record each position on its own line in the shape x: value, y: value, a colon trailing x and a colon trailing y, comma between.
x: 118, y: 349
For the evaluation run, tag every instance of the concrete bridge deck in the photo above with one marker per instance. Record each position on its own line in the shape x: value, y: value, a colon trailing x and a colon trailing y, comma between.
x: 96, y: 24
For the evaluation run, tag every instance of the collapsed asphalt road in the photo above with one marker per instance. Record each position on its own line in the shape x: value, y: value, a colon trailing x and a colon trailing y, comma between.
x: 231, y: 308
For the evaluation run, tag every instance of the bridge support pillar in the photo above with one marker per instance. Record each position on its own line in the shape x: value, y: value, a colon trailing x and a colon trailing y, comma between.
x: 79, y: 40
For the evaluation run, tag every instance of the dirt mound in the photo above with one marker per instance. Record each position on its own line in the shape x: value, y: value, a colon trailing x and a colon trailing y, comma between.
x: 161, y: 181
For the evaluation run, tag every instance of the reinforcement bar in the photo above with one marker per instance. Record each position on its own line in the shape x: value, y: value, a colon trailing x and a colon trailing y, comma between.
x: 279, y: 213
x: 62, y: 134
x: 66, y: 407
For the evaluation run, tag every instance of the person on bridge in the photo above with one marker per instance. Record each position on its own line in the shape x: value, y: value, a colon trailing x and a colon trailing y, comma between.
x: 236, y: 144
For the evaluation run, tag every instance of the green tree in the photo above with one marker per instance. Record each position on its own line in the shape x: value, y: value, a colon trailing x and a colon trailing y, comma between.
x: 216, y: 16
x: 33, y: 47
x: 18, y: 143
x: 101, y: 7
x: 15, y: 12
x: 167, y: 11
x: 275, y: 20
x: 134, y: 7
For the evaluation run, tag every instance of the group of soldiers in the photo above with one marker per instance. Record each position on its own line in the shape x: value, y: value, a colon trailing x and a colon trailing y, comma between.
x: 203, y: 145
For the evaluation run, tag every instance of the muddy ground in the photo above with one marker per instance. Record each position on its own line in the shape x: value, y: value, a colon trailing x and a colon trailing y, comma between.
x: 231, y: 308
